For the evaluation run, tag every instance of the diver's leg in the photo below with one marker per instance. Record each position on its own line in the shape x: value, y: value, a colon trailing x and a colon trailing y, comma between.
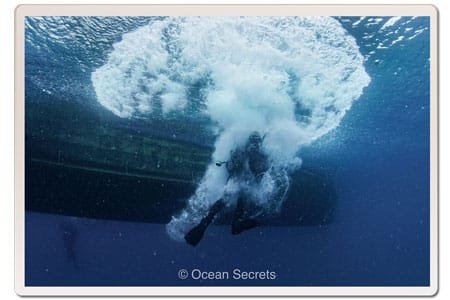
x: 239, y: 210
x: 194, y: 236
x: 237, y: 217
x: 240, y: 223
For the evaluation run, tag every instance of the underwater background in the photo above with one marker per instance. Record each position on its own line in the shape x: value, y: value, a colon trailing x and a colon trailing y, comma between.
x: 100, y: 167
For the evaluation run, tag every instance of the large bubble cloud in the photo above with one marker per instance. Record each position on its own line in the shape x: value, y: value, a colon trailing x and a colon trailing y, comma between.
x: 290, y: 78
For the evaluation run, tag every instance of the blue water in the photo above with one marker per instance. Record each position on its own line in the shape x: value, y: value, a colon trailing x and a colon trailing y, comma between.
x: 377, y: 157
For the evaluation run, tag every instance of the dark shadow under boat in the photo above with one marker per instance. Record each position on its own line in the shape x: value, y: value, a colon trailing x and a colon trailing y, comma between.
x: 79, y: 163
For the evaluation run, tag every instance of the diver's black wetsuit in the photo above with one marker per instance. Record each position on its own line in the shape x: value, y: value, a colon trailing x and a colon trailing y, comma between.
x: 246, y: 162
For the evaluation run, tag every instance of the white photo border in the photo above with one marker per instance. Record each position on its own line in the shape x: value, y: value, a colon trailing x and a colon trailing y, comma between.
x: 23, y: 11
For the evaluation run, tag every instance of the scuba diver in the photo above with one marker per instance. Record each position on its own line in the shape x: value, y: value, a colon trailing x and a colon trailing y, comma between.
x: 246, y: 164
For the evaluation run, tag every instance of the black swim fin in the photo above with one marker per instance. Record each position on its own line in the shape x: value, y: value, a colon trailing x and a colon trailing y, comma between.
x: 239, y: 226
x: 240, y: 223
x: 195, y: 235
